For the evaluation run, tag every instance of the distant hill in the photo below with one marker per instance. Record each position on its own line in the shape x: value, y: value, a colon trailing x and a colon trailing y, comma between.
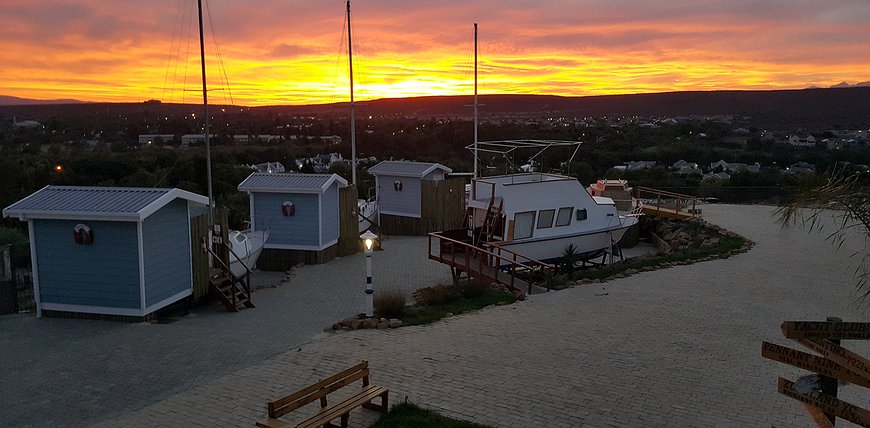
x: 7, y: 100
x: 817, y: 108
x: 809, y: 108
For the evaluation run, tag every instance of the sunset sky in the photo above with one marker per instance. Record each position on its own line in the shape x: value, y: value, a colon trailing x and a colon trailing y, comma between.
x: 294, y: 52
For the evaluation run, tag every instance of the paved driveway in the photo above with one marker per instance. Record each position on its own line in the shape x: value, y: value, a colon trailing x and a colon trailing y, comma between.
x: 65, y: 372
x: 675, y: 347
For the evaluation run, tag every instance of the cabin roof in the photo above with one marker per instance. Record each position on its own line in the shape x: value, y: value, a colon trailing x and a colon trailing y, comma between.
x: 290, y: 183
x: 97, y: 203
x: 407, y: 169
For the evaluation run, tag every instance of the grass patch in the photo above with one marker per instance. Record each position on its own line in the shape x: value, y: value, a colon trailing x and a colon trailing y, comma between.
x: 727, y: 245
x: 407, y: 415
x: 456, y: 304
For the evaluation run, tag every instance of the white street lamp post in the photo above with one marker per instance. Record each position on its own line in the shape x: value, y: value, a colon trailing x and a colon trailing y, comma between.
x: 369, y: 239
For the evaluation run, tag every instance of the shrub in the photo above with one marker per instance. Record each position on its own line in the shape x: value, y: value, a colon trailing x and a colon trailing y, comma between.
x: 11, y: 235
x: 390, y: 303
x: 434, y: 296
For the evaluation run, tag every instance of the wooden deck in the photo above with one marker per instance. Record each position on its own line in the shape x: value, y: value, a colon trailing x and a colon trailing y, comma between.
x: 667, y: 204
x: 483, y: 265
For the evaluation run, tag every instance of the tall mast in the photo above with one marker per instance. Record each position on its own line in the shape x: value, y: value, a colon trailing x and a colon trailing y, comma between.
x: 352, y: 114
x: 205, y: 115
x: 475, y: 100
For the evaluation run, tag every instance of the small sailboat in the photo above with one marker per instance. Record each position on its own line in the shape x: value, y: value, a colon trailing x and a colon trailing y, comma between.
x: 246, y: 247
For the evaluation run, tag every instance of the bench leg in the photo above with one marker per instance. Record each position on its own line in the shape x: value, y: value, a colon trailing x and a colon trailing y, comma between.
x: 383, y: 407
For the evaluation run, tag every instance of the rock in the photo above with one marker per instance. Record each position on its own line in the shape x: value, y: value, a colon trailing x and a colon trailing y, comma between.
x: 356, y: 324
x: 384, y: 320
x: 395, y: 323
x: 370, y: 323
x: 383, y: 325
x: 630, y: 271
x: 336, y: 326
x: 448, y: 315
x: 289, y: 272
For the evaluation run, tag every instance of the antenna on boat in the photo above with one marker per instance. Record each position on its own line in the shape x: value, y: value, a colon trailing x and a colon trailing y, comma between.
x: 475, y: 99
x: 352, y: 114
x: 205, y: 115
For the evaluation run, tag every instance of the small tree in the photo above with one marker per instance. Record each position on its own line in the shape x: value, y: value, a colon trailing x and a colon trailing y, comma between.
x: 841, y: 194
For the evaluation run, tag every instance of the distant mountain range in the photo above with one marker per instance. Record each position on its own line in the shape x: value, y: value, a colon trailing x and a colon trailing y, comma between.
x: 845, y: 85
x: 7, y: 100
x: 811, y: 108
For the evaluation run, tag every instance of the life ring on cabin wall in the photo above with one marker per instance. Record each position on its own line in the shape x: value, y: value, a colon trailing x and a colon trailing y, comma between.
x: 397, y: 185
x: 288, y: 209
x: 83, y: 234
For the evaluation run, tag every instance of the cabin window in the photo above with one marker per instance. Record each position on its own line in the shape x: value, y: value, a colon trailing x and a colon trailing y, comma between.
x: 564, y: 216
x: 581, y: 214
x: 524, y: 224
x: 545, y: 219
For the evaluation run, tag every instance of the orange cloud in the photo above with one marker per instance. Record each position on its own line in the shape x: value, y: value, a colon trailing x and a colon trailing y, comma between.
x: 294, y: 52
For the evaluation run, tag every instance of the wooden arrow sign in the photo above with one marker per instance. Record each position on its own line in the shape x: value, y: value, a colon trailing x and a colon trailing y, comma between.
x: 826, y: 403
x: 840, y: 355
x: 811, y: 362
x: 826, y: 330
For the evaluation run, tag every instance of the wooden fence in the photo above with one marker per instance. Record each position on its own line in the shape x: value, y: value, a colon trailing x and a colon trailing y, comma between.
x: 348, y: 235
x: 442, y: 207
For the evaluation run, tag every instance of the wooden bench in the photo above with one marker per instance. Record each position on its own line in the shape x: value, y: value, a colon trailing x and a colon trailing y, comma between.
x: 319, y: 391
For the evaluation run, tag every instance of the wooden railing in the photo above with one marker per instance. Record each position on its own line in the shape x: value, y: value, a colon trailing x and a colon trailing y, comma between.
x: 244, y: 280
x: 483, y: 262
x: 660, y: 202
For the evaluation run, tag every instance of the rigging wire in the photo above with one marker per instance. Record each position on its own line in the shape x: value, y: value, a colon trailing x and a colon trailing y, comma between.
x: 342, y: 54
x: 217, y: 48
x: 187, y: 55
x: 178, y: 12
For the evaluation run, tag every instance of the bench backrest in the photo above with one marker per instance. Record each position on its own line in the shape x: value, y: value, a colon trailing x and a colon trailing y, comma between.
x: 319, y: 390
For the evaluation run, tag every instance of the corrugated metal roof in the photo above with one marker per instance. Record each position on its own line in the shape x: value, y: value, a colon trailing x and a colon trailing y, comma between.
x: 289, y: 182
x: 406, y: 169
x: 72, y: 201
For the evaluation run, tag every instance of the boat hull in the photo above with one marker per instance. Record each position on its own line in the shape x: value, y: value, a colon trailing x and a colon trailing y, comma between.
x: 587, y: 245
x: 248, y: 251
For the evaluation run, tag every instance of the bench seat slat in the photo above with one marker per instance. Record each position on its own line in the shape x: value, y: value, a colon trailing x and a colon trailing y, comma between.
x: 334, y: 411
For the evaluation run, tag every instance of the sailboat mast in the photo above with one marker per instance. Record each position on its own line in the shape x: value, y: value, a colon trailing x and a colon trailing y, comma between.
x: 475, y: 100
x: 352, y: 114
x: 205, y: 115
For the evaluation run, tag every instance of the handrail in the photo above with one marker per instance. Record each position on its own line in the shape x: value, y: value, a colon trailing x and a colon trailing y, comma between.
x: 245, y: 279
x: 497, y: 244
x: 481, y: 253
x: 497, y: 256
x: 682, y: 201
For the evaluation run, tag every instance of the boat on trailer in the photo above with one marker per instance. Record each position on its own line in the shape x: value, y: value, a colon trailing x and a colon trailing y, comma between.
x: 539, y: 215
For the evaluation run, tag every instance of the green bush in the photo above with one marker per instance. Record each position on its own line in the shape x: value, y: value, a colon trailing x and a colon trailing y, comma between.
x: 11, y: 235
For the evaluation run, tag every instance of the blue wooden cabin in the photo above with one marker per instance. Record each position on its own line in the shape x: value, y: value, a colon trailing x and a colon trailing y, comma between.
x: 408, y: 195
x: 108, y: 250
x: 301, y: 213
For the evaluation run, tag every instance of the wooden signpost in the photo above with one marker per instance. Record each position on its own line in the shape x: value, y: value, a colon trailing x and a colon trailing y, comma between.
x: 834, y: 362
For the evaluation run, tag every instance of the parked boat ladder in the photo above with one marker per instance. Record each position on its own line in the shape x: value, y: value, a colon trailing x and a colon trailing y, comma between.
x: 494, y: 264
x: 232, y: 291
x: 667, y: 204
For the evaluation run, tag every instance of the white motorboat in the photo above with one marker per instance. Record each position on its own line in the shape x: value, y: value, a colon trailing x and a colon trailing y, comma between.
x: 539, y: 215
x: 246, y: 246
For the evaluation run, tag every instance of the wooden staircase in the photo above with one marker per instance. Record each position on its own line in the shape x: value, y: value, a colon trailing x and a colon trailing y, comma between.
x: 232, y: 291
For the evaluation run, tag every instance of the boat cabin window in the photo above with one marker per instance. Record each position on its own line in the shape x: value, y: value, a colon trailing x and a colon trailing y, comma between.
x: 581, y: 214
x: 564, y: 217
x: 545, y: 219
x: 524, y: 224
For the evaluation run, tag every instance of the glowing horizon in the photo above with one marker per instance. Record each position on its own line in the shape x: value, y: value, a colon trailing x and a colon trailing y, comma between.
x: 277, y: 53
